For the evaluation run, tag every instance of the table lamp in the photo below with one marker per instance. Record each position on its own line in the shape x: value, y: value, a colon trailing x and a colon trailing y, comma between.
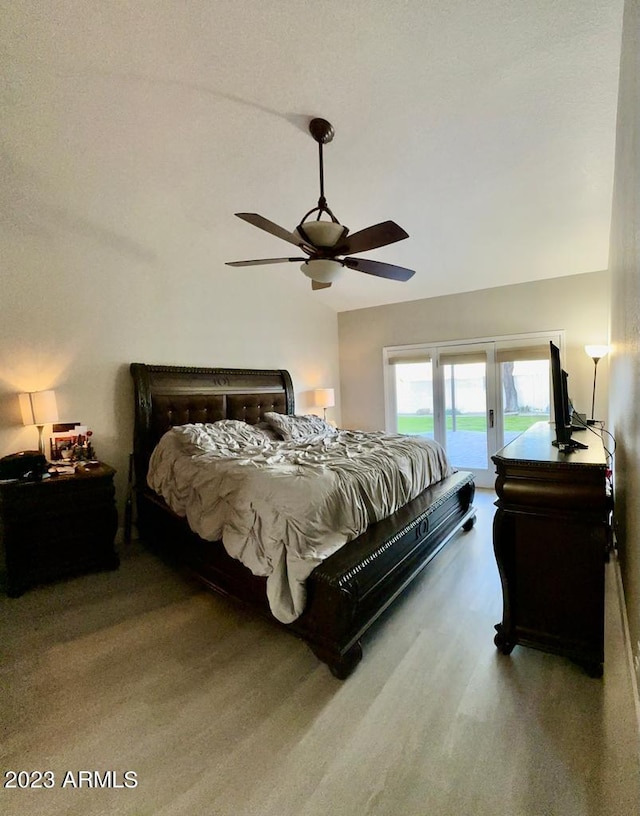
x: 324, y: 398
x: 39, y: 408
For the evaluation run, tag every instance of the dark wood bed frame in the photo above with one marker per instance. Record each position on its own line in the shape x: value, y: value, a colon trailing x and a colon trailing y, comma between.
x: 348, y: 591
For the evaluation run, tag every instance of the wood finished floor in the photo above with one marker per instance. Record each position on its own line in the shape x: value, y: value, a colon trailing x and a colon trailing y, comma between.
x: 221, y: 714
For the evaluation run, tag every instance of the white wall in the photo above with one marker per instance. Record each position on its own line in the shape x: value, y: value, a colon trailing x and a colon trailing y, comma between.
x: 578, y: 304
x: 116, y: 218
x: 625, y: 320
x: 57, y: 334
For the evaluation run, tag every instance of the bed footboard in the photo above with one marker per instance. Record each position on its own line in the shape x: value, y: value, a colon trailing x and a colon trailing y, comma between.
x: 352, y: 588
x: 347, y: 592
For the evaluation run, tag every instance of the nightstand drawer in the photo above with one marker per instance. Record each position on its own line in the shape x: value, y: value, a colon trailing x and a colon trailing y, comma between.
x: 58, y: 527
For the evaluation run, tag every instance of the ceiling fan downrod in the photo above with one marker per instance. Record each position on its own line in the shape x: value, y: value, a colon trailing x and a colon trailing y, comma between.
x: 323, y: 133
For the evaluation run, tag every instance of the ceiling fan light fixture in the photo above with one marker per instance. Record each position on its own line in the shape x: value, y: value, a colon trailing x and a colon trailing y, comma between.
x: 322, y: 270
x: 322, y: 233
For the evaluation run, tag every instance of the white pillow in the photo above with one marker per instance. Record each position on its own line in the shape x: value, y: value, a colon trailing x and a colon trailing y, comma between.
x: 298, y: 428
x: 268, y: 431
x: 242, y: 431
x: 226, y: 433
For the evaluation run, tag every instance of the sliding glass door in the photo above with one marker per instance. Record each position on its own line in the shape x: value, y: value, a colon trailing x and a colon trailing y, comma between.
x: 473, y: 398
x: 468, y: 435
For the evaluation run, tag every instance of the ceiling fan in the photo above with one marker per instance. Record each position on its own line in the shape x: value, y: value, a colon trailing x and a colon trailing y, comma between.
x: 326, y: 243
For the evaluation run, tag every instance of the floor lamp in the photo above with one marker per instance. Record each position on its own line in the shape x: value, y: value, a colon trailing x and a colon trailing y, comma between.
x: 596, y: 353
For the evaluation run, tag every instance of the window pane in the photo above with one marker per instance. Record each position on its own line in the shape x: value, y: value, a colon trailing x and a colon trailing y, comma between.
x: 466, y: 414
x: 414, y: 398
x: 525, y: 395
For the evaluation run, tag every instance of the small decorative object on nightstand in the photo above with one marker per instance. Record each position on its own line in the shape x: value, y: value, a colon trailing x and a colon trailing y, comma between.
x: 57, y: 527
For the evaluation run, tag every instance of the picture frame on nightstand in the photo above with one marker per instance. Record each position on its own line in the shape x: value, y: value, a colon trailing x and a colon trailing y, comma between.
x: 63, y: 438
x: 70, y: 442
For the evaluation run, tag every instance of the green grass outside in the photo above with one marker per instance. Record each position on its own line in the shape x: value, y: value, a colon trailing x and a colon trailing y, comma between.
x: 415, y: 424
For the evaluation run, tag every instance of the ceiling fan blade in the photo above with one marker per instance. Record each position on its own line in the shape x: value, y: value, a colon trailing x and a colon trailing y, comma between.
x: 373, y: 237
x: 380, y: 269
x: 263, y: 261
x: 317, y: 285
x: 273, y: 229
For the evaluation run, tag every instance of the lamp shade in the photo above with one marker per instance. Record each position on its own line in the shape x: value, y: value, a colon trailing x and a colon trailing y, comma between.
x: 38, y: 407
x: 324, y: 397
x: 597, y: 352
x: 322, y: 270
x: 322, y: 233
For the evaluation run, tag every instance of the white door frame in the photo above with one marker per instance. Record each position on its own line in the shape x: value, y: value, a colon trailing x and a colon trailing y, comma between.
x: 495, y: 428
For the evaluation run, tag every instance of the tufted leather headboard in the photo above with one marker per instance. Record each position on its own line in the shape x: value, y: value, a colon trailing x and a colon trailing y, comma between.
x: 175, y: 395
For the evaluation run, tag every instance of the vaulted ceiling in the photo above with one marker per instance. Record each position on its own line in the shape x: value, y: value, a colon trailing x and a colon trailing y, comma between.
x: 485, y: 128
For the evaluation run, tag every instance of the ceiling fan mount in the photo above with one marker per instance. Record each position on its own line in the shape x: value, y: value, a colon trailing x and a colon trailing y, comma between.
x: 321, y: 234
x: 324, y: 241
x: 321, y: 130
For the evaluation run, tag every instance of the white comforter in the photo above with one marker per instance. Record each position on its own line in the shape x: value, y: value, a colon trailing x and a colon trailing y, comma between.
x: 283, y: 507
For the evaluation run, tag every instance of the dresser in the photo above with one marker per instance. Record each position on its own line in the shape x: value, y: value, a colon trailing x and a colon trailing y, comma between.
x: 57, y: 527
x: 551, y: 537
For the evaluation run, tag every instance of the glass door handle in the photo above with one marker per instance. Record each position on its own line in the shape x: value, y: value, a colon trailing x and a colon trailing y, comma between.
x: 491, y: 417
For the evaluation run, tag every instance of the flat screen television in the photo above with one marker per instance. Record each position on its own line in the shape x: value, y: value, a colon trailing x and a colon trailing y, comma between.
x: 561, y: 404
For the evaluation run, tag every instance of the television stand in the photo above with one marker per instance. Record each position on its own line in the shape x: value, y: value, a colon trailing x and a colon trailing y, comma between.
x: 551, y: 538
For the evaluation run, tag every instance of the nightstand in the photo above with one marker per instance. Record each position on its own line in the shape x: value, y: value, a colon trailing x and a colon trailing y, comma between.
x: 58, y: 527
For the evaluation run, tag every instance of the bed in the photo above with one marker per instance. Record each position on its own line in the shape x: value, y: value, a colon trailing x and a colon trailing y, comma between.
x: 348, y: 590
